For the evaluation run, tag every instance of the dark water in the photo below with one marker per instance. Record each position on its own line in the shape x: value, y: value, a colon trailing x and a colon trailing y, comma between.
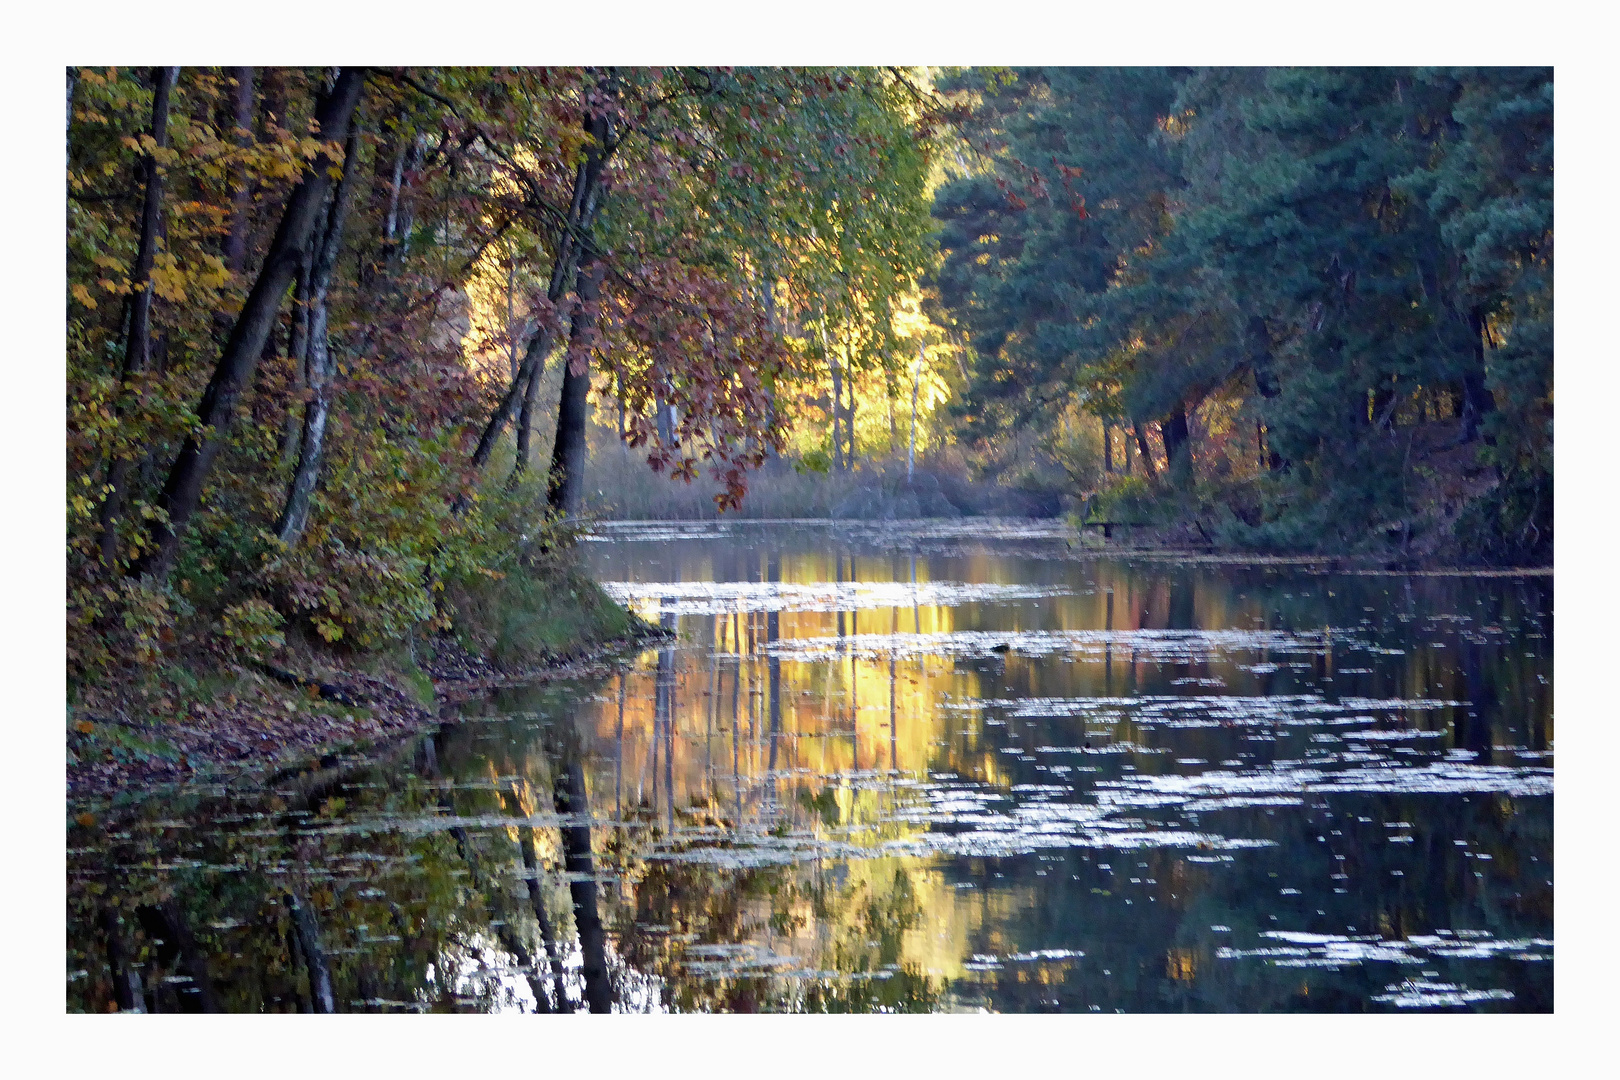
x: 921, y: 766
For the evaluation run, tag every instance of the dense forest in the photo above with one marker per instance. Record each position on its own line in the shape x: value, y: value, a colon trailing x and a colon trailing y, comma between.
x: 1315, y: 304
x: 340, y: 342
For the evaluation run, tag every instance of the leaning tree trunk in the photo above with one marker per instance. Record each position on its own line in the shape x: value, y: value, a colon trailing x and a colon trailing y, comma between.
x: 1147, y: 455
x: 566, y: 488
x: 138, y: 345
x: 297, y: 356
x: 183, y: 490
x: 525, y: 428
x: 318, y: 373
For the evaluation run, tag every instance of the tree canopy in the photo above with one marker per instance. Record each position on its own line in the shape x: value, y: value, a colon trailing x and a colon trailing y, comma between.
x: 308, y: 307
x: 1341, y: 278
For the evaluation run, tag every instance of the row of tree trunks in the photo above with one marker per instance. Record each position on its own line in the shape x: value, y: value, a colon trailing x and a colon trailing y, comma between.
x: 182, y: 492
x: 138, y: 341
x: 572, y: 245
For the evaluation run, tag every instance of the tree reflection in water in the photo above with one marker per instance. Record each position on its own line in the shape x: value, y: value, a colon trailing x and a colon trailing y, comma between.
x: 964, y: 775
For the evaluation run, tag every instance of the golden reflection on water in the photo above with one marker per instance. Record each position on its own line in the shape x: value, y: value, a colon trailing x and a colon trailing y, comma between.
x: 718, y: 732
x: 1216, y: 792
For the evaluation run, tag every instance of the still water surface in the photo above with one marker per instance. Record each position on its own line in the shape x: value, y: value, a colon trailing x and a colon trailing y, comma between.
x: 913, y: 766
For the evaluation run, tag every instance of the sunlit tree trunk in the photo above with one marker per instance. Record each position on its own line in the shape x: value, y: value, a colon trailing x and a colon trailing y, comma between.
x: 183, y: 490
x: 849, y: 412
x: 837, y: 395
x: 911, y: 452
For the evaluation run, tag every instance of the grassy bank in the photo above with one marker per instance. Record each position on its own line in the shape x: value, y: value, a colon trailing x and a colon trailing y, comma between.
x: 213, y: 705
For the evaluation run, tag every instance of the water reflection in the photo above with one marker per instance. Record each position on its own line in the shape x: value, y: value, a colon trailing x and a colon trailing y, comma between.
x: 898, y: 768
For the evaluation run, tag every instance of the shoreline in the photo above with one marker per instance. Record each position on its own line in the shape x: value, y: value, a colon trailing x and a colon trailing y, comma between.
x: 230, y: 746
x: 357, y: 715
x: 1091, y: 544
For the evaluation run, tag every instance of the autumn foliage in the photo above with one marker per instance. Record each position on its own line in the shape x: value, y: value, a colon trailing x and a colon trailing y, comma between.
x: 452, y: 215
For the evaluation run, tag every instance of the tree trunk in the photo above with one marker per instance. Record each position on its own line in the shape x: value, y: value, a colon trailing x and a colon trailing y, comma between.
x: 888, y: 394
x: 849, y: 412
x: 174, y: 930
x: 525, y: 428
x: 72, y: 84
x: 566, y: 486
x: 1146, y: 454
x: 837, y: 395
x: 1108, y: 448
x: 911, y: 452
x: 298, y: 355
x: 183, y: 490
x: 138, y: 342
x: 242, y: 201
x: 295, y: 513
x: 1477, y: 399
x: 1265, y: 374
x: 1174, y: 428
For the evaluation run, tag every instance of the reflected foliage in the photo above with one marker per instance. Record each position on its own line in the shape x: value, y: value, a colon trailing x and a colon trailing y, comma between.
x: 1053, y: 783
